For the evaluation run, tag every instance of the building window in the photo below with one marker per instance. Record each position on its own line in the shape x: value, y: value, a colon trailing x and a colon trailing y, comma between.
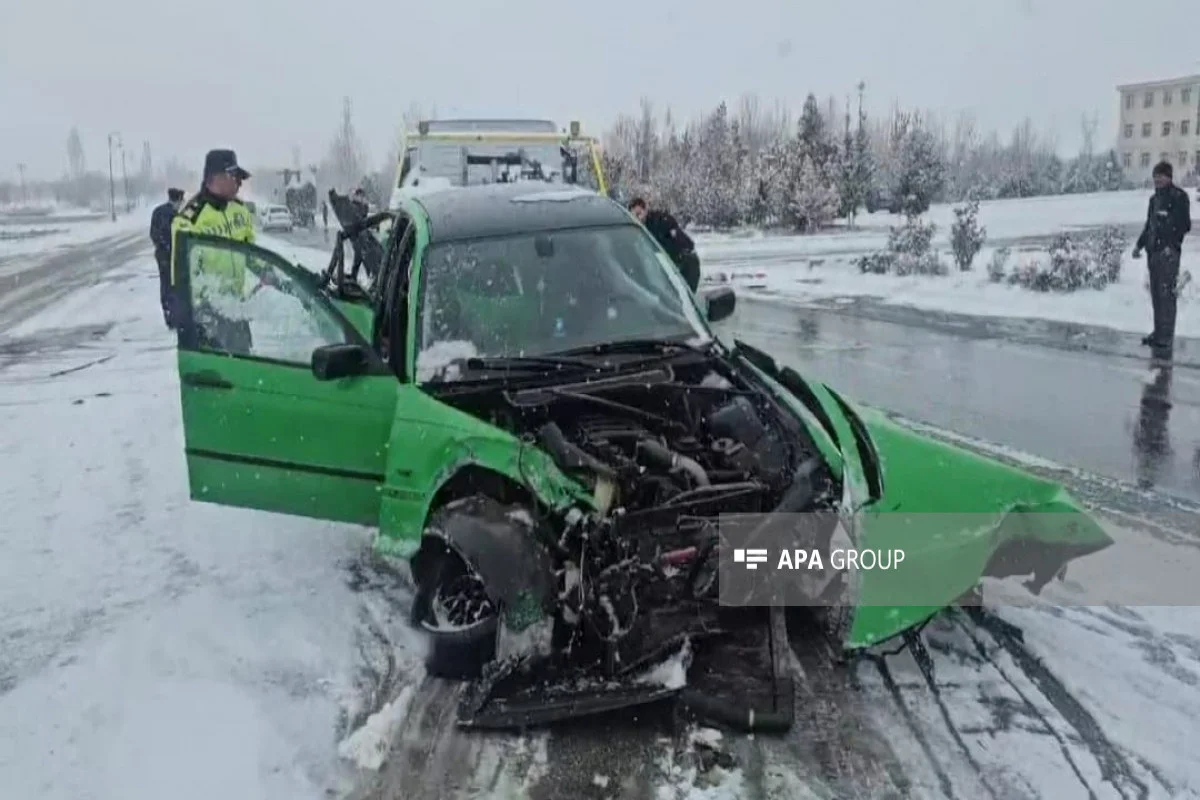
x: 1129, y: 100
x: 1166, y: 97
x: 1148, y: 100
x: 1166, y: 129
x: 1183, y: 127
x: 1164, y: 156
x: 1182, y: 157
x: 1145, y: 129
x: 1145, y: 160
x: 1127, y: 159
x: 1185, y: 96
x: 1129, y: 131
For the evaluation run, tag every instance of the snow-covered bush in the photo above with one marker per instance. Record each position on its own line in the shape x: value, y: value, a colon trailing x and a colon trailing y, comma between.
x: 999, y: 264
x: 1073, y: 263
x: 967, y: 235
x: 909, y: 252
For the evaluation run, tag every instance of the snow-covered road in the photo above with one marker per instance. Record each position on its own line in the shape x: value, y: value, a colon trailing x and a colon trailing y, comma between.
x: 155, y: 647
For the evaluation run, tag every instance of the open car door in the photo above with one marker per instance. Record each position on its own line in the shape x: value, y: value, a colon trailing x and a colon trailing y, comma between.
x: 261, y: 429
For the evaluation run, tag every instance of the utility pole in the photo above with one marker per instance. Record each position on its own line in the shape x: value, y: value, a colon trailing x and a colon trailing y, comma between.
x: 112, y: 187
x: 125, y: 180
x: 24, y: 194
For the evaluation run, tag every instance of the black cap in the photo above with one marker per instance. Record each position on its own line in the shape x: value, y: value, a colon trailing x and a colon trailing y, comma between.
x: 223, y: 161
x: 1163, y: 168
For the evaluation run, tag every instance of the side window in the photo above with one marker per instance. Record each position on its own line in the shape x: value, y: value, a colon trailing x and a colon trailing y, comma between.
x: 246, y: 301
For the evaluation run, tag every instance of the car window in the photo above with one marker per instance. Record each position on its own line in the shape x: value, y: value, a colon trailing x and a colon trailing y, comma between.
x: 247, y: 301
x: 536, y: 294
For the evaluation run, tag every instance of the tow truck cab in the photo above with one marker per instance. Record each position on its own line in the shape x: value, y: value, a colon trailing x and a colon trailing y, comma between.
x: 466, y: 152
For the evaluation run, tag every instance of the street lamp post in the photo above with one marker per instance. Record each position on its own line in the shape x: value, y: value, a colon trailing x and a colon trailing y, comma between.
x: 112, y: 187
x: 24, y: 194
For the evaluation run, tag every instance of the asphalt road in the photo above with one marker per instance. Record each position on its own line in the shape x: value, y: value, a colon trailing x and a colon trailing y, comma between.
x: 1109, y: 415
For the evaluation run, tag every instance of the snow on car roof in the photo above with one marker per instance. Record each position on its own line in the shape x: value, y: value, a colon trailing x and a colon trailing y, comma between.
x: 504, y: 208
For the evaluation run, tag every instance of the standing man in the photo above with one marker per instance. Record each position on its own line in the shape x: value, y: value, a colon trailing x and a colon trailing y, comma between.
x: 669, y: 233
x: 219, y: 280
x: 160, y: 234
x: 1168, y: 220
x: 360, y: 203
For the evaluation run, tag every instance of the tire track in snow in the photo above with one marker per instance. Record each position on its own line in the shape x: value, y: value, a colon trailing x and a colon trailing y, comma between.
x: 1114, y: 767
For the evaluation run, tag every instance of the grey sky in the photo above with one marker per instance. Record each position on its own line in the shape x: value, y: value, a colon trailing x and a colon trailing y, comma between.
x: 263, y: 75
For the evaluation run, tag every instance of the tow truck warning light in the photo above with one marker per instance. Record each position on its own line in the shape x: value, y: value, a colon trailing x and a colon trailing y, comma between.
x: 751, y: 558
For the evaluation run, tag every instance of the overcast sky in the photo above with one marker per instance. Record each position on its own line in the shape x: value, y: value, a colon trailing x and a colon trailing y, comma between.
x: 263, y: 75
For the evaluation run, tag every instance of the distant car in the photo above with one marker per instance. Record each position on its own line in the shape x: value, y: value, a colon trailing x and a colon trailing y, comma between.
x: 275, y: 218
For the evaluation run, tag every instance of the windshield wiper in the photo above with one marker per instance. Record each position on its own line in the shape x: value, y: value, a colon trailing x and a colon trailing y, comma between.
x: 528, y: 363
x: 638, y: 346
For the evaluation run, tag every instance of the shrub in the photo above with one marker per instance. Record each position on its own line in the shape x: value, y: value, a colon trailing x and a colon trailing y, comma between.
x: 967, y: 235
x: 999, y: 264
x: 1092, y: 261
x: 909, y: 252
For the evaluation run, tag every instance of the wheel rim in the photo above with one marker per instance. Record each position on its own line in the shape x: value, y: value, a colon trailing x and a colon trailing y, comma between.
x: 460, y: 603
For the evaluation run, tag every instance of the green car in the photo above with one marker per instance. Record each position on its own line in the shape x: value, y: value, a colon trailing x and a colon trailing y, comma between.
x: 532, y: 408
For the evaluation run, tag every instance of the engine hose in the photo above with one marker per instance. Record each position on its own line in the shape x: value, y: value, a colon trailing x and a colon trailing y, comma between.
x: 666, y: 457
x: 734, y: 714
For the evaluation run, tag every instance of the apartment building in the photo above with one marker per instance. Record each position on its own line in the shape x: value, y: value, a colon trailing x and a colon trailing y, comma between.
x: 1160, y: 121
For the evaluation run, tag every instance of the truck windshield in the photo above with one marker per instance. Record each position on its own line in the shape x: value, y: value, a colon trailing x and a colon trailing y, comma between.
x: 539, y: 294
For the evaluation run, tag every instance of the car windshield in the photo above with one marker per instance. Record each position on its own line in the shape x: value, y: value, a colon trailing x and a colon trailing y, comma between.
x: 539, y: 294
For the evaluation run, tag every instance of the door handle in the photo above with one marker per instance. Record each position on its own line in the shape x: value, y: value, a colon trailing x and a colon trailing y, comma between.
x: 206, y: 379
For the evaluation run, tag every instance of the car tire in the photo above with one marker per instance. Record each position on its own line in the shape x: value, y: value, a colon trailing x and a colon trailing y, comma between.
x: 461, y: 652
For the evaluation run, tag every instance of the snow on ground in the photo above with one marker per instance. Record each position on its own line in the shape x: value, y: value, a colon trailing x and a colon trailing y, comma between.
x: 151, y: 646
x: 66, y: 234
x: 820, y: 267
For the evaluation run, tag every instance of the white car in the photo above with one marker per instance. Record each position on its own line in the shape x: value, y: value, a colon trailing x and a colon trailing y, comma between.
x: 275, y: 218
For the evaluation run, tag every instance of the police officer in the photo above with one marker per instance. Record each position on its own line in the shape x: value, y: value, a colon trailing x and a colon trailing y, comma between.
x: 160, y: 234
x: 218, y: 281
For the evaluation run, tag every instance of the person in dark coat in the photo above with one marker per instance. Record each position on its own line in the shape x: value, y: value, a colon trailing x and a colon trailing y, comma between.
x: 669, y: 233
x: 1168, y: 220
x: 160, y: 235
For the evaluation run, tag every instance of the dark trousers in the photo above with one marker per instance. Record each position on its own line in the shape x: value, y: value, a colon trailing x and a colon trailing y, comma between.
x: 689, y: 268
x: 1164, y: 279
x: 165, y: 296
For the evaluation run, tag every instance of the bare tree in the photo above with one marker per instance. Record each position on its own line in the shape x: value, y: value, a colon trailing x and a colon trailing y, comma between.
x: 75, y: 155
x: 346, y: 153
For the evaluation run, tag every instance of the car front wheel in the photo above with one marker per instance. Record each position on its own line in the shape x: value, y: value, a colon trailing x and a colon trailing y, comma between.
x: 453, y: 610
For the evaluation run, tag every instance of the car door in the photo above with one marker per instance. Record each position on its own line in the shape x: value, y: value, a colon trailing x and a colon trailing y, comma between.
x: 261, y: 430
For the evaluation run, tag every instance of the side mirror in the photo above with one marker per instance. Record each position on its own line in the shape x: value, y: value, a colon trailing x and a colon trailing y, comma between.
x: 335, y: 361
x: 720, y: 302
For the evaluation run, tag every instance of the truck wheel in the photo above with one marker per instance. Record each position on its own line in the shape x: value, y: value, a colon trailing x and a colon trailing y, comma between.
x: 453, y: 610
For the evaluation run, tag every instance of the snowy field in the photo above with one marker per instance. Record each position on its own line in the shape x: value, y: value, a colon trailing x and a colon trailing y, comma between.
x: 820, y: 267
x: 155, y: 647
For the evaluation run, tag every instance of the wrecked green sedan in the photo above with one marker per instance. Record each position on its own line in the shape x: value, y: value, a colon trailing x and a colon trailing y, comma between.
x: 526, y: 400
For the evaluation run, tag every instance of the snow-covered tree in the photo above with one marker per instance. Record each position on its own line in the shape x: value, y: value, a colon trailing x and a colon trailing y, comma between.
x: 814, y: 202
x: 921, y: 171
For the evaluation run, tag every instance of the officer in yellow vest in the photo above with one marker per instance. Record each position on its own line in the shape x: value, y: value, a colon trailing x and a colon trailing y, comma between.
x: 217, y: 278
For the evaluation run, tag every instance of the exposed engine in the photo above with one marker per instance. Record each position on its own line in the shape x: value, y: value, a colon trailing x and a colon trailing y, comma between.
x: 665, y: 452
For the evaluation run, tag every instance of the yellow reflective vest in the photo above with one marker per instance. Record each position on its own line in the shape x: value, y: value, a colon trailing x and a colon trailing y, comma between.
x: 205, y: 213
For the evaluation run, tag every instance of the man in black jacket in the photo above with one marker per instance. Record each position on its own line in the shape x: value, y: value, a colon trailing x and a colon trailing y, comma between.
x: 670, y: 235
x: 1168, y: 220
x: 160, y: 234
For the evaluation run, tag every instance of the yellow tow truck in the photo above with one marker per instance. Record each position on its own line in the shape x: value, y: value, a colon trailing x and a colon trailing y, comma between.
x: 465, y: 152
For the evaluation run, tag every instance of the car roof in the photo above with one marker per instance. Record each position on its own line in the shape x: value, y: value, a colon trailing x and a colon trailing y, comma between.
x: 499, y: 209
